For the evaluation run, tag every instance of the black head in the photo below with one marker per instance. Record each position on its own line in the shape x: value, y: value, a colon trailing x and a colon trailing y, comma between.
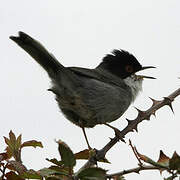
x: 121, y: 63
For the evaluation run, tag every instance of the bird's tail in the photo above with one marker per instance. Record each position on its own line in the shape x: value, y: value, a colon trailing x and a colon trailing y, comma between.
x: 45, y: 59
x: 38, y: 52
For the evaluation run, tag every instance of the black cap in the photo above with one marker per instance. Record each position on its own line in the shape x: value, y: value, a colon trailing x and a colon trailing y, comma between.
x: 121, y: 63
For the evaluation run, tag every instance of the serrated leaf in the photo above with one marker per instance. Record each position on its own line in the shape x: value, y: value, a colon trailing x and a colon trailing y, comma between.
x: 9, y: 152
x: 86, y: 154
x: 31, y: 175
x: 13, y: 148
x: 46, y: 172
x: 55, y: 161
x: 66, y: 154
x: 17, y: 166
x: 32, y: 143
x: 18, y: 141
x: 3, y: 156
x: 174, y: 162
x: 92, y: 174
x: 12, y: 137
x: 13, y: 176
x: 163, y: 159
x: 7, y: 141
x: 149, y: 160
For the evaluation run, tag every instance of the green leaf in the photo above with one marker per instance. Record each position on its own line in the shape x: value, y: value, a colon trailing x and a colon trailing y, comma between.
x: 174, y: 162
x: 14, y: 146
x: 46, y: 172
x: 32, y: 143
x: 92, y: 174
x: 31, y: 175
x: 86, y: 154
x: 12, y: 137
x: 18, y: 141
x: 66, y: 154
x: 55, y: 161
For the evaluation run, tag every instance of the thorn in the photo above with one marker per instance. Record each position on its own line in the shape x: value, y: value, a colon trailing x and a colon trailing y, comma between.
x: 129, y: 121
x: 169, y: 103
x: 148, y: 118
x: 154, y: 113
x: 154, y: 101
x: 137, y: 172
x: 139, y: 111
x: 136, y: 129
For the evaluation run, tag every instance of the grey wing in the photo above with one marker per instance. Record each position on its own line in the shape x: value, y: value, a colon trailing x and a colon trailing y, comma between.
x: 108, y: 102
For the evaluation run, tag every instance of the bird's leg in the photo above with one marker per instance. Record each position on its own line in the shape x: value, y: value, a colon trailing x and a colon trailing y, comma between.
x: 116, y: 131
x: 84, y: 132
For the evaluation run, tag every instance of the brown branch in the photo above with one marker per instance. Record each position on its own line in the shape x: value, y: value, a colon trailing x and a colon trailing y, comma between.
x: 133, y: 170
x: 134, y: 151
x: 132, y: 125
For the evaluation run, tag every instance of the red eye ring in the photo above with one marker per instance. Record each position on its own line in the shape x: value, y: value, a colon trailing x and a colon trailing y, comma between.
x: 129, y: 69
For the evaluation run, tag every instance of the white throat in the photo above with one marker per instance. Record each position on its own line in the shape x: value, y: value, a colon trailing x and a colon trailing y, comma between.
x: 135, y: 85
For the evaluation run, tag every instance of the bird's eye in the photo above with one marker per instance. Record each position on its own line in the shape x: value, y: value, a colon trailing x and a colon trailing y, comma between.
x: 129, y: 69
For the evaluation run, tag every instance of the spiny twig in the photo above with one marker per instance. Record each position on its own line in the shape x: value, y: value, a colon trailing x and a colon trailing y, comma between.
x: 132, y: 125
x: 134, y: 151
x: 133, y: 170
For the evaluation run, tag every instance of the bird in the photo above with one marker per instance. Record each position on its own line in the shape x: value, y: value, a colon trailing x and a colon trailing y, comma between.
x: 88, y: 97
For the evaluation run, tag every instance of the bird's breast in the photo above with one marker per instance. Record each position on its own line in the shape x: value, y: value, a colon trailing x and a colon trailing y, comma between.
x: 93, y: 103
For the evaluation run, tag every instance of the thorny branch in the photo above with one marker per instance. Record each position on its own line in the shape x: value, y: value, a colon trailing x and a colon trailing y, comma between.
x: 132, y: 125
x: 133, y: 170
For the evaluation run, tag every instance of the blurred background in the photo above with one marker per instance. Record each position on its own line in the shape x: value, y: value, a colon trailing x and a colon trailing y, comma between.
x: 80, y: 33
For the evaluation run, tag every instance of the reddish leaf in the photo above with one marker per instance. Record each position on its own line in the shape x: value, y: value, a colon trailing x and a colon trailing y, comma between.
x: 163, y: 159
x: 7, y: 141
x: 3, y: 156
x: 18, y: 167
x: 86, y: 154
x: 13, y: 176
x: 32, y: 143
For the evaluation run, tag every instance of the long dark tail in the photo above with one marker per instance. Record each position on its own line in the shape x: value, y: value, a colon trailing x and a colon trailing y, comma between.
x: 55, y: 70
x: 39, y: 53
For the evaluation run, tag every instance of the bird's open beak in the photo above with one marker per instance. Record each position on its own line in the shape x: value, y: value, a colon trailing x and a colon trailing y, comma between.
x: 142, y: 76
x: 147, y: 67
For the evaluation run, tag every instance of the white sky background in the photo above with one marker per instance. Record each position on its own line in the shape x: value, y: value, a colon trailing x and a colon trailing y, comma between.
x: 80, y: 33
